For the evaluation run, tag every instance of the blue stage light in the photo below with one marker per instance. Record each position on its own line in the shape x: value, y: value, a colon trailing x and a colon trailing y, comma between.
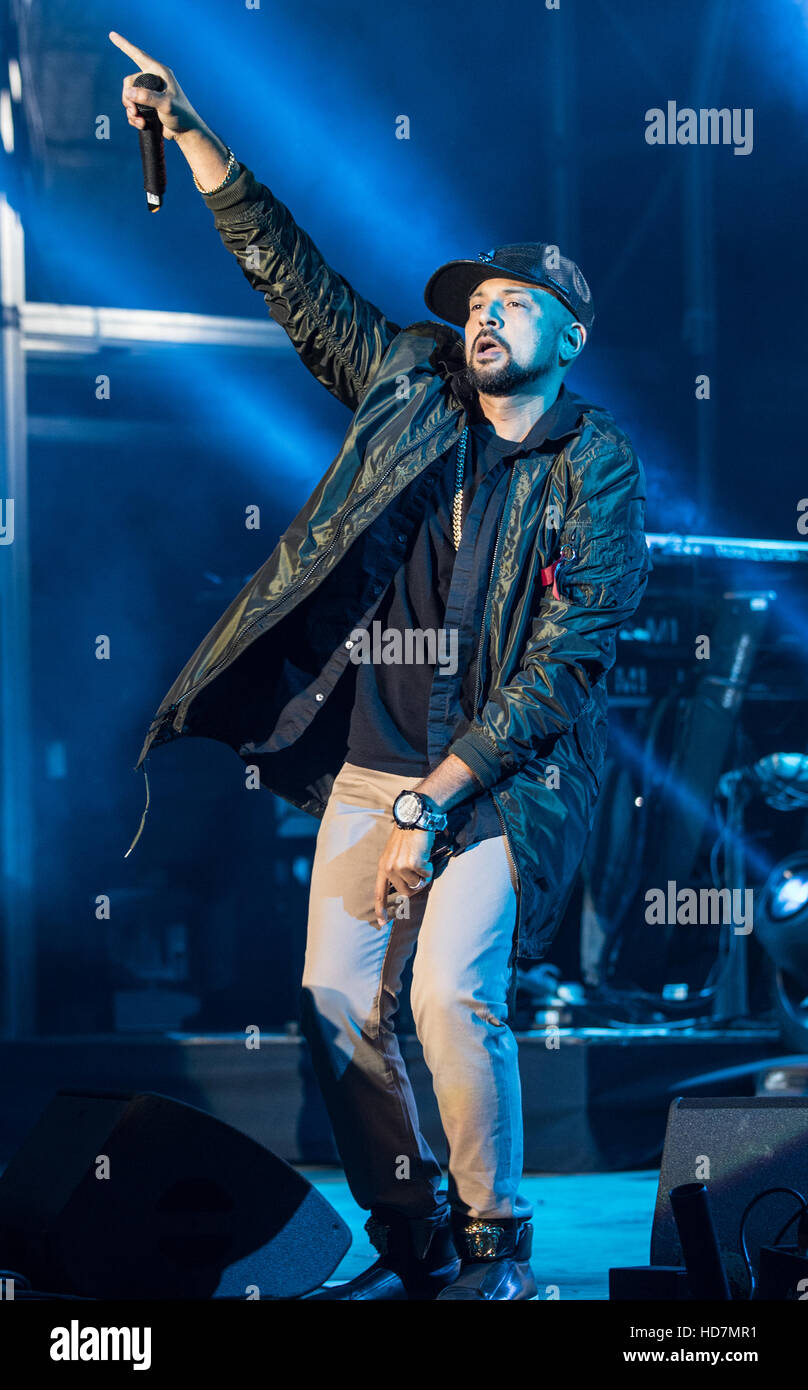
x: 789, y: 893
x: 781, y: 918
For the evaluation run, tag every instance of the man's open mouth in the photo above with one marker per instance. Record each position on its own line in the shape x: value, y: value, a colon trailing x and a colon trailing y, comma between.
x: 488, y: 347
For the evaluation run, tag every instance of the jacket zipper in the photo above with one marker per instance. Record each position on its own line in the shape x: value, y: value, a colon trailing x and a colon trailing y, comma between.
x: 502, y: 524
x: 478, y: 689
x: 303, y: 578
x: 514, y: 861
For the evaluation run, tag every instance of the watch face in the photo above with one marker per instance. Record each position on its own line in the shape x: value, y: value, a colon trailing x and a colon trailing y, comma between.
x: 408, y: 807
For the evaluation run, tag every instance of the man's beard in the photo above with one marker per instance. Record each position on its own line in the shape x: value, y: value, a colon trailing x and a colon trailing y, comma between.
x: 506, y: 380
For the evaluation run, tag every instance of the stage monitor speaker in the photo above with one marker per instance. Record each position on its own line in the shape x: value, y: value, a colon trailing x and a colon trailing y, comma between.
x: 120, y: 1195
x: 737, y: 1146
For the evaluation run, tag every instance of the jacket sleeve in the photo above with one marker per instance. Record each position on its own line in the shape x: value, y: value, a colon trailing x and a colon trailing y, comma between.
x: 572, y: 642
x: 340, y: 336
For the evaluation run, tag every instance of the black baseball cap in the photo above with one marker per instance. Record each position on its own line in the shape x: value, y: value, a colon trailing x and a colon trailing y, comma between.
x: 447, y: 291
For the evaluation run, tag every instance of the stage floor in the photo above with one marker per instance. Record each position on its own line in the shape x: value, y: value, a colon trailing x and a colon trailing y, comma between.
x: 583, y: 1223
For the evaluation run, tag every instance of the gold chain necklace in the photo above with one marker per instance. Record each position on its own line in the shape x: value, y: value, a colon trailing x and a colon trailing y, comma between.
x: 457, y: 505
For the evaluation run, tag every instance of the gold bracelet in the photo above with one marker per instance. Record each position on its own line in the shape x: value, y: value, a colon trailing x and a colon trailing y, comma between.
x: 231, y: 164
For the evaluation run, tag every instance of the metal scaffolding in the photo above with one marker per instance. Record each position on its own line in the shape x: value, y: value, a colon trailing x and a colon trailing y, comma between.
x: 30, y: 330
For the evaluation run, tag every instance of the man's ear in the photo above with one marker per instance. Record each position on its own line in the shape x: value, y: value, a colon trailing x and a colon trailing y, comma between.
x: 571, y: 343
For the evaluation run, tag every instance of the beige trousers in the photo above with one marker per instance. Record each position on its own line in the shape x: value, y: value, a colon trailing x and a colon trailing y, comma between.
x: 461, y: 929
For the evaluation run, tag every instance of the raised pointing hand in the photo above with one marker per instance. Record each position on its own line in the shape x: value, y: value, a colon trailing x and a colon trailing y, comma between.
x: 176, y: 113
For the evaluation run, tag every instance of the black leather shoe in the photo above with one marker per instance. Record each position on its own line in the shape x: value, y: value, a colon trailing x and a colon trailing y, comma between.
x: 495, y: 1259
x: 417, y: 1258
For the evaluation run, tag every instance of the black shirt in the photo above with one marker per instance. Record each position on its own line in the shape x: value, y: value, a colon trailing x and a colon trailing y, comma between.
x: 388, y: 728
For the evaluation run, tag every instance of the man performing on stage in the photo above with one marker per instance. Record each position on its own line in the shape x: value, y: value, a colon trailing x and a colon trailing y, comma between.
x: 489, y: 525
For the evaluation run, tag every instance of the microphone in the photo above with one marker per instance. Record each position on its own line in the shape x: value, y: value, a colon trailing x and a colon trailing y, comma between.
x: 152, y: 145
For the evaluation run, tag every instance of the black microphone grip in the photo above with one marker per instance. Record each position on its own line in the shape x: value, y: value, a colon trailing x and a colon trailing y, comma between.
x: 152, y: 145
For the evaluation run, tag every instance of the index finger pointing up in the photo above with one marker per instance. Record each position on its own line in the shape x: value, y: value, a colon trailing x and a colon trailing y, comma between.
x: 147, y: 64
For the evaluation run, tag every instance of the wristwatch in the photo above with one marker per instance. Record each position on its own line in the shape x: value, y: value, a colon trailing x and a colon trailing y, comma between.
x: 412, y: 811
